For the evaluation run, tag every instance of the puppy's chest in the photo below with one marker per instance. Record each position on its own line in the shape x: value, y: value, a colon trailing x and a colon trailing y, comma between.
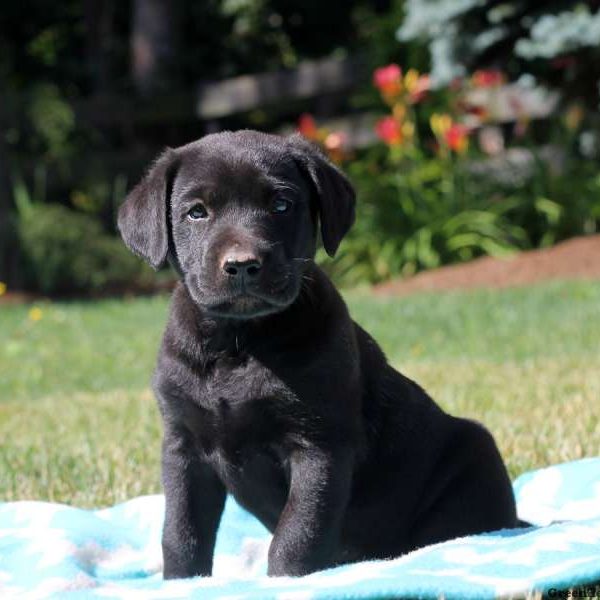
x: 238, y: 408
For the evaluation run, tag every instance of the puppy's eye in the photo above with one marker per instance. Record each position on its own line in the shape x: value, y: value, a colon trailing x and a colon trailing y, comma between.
x: 197, y: 212
x: 281, y: 205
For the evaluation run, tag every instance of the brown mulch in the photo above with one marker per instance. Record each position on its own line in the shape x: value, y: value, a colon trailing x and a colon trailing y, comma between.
x: 577, y: 258
x: 163, y: 285
x: 18, y: 298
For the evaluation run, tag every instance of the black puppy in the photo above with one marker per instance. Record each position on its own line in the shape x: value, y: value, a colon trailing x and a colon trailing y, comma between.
x: 268, y: 389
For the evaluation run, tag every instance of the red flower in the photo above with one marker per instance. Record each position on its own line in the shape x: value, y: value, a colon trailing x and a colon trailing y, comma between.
x: 487, y: 78
x: 457, y: 137
x: 388, y: 80
x: 389, y: 130
x: 307, y: 126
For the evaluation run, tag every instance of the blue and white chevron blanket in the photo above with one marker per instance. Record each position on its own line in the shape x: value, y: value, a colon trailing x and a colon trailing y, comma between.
x: 57, y: 551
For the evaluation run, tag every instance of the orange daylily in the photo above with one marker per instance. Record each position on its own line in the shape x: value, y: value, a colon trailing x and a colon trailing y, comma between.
x: 457, y: 138
x: 450, y: 134
x: 390, y: 131
x: 487, y: 78
x: 416, y: 85
x: 440, y: 124
x: 308, y: 127
x: 335, y: 143
x: 388, y: 80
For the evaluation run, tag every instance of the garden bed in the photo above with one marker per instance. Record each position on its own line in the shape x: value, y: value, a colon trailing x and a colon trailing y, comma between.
x: 577, y: 258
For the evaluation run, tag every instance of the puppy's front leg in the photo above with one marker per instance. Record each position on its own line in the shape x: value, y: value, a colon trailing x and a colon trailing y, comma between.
x: 194, y: 498
x: 309, y: 526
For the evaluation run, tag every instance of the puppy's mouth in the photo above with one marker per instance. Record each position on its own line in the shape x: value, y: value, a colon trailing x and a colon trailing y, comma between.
x: 246, y: 302
x: 245, y: 306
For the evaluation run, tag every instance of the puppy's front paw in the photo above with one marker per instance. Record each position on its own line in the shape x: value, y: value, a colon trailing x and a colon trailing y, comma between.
x: 178, y: 566
x: 286, y: 561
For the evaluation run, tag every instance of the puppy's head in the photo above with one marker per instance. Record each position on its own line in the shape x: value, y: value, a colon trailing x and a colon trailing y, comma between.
x: 237, y: 213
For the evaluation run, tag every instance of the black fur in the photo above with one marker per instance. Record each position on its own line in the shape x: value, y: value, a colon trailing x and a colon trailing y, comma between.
x: 268, y: 389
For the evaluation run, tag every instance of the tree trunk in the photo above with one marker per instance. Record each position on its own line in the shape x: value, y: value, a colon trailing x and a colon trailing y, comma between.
x: 154, y: 36
x: 99, y: 20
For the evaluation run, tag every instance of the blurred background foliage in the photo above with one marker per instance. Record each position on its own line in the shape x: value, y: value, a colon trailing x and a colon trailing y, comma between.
x: 93, y: 89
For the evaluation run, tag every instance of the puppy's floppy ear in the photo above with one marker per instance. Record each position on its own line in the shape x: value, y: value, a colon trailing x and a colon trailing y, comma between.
x: 142, y: 217
x: 334, y: 193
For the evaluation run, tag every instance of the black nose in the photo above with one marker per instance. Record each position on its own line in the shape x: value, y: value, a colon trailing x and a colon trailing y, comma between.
x: 248, y: 268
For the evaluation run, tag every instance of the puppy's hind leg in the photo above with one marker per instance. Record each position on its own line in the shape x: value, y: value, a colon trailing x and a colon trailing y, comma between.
x: 477, y: 498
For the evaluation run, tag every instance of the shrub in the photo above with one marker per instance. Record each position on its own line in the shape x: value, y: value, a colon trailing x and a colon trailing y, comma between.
x: 433, y: 212
x: 420, y: 216
x: 65, y: 251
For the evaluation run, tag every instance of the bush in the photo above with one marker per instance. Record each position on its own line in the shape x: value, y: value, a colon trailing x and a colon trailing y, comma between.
x: 432, y: 212
x: 420, y: 216
x: 65, y: 251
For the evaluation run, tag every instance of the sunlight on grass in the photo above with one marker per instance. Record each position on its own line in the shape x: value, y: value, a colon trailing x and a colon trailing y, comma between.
x: 88, y: 450
x: 79, y: 347
x: 79, y: 425
x: 542, y: 411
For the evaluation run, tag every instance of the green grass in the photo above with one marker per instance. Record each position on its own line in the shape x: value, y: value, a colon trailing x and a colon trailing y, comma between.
x: 78, y: 426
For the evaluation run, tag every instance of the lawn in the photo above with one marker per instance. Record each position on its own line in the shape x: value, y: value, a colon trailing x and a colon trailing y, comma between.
x: 78, y: 423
